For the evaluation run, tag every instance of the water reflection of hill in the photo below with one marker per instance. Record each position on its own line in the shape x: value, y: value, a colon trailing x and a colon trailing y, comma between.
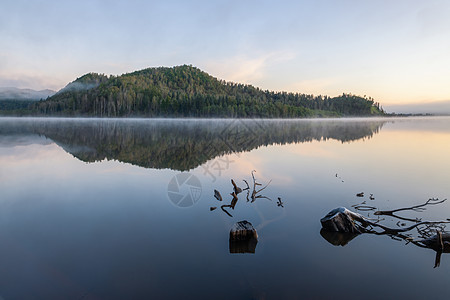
x: 184, y: 145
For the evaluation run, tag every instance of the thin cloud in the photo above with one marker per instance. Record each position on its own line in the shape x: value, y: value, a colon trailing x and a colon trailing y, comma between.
x: 245, y: 69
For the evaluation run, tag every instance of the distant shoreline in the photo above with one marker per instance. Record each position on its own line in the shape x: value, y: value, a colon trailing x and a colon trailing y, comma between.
x: 353, y: 118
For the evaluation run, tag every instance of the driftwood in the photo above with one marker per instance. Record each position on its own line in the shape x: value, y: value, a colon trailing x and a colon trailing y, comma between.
x: 343, y: 220
x: 255, y: 191
x: 232, y: 205
x: 217, y: 195
x: 341, y: 225
x: 225, y: 211
x: 237, y: 189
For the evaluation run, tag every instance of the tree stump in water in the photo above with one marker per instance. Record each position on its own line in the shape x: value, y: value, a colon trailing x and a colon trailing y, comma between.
x: 342, y: 220
x: 242, y: 231
x: 243, y: 238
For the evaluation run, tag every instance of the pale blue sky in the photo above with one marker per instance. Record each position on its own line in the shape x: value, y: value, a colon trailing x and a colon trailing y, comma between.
x: 395, y: 51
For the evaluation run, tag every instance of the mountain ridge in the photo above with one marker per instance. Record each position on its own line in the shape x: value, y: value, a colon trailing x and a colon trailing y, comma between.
x: 13, y: 93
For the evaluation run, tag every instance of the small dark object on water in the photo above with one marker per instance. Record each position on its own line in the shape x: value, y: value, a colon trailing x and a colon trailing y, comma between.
x: 360, y: 194
x: 371, y: 197
x: 212, y: 208
x: 280, y: 203
x: 217, y: 195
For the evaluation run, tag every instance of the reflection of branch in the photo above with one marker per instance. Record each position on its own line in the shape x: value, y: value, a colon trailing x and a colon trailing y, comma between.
x: 247, y: 189
x: 437, y: 261
x: 255, y: 192
x: 388, y: 230
x: 363, y: 207
x: 264, y: 221
x: 431, y: 201
x: 264, y: 186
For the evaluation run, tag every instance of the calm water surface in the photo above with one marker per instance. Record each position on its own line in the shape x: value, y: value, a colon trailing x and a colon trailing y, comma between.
x: 120, y: 209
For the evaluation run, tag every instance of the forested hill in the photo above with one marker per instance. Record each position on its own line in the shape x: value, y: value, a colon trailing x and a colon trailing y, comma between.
x: 186, y: 91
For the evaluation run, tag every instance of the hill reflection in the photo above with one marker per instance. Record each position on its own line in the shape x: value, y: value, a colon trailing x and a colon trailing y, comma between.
x: 183, y: 144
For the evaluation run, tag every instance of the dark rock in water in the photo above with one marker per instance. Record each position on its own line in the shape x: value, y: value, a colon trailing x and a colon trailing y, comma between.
x: 360, y: 194
x: 242, y: 231
x: 212, y: 208
x: 337, y: 238
x: 342, y: 220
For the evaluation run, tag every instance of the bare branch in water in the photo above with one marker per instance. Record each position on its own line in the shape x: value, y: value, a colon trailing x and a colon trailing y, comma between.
x: 264, y: 186
x: 431, y: 201
x: 248, y: 187
x: 237, y: 189
x: 223, y: 208
x: 432, y: 234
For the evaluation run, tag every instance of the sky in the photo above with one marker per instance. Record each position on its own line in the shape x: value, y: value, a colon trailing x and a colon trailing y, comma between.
x: 397, y: 52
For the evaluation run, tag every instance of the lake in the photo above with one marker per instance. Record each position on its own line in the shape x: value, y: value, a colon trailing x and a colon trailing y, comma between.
x: 125, y: 209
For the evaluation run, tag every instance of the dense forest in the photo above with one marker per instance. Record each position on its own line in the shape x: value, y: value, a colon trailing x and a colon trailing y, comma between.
x: 15, y: 106
x: 186, y: 91
x: 180, y: 145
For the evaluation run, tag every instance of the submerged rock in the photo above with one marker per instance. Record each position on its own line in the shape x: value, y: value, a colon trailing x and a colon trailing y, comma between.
x: 247, y: 246
x: 337, y: 238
